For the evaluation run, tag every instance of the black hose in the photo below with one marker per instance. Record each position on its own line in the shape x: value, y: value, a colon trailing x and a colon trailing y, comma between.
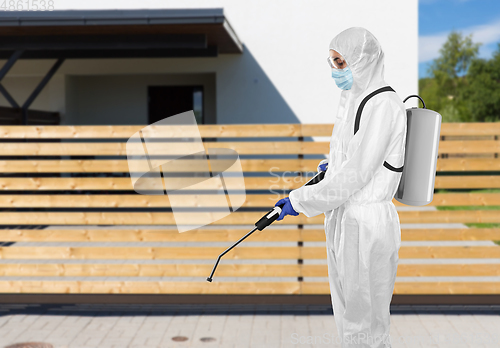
x: 414, y: 95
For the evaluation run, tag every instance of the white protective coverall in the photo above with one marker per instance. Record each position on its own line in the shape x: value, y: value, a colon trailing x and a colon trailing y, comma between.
x: 362, y: 227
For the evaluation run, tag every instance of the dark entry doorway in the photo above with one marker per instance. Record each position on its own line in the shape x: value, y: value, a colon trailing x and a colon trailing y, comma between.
x: 166, y: 101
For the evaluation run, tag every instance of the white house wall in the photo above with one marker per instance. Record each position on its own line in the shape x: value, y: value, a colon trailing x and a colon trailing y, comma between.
x: 282, y: 75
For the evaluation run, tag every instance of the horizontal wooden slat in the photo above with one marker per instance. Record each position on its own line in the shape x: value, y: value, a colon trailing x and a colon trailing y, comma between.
x: 242, y: 148
x: 206, y: 131
x: 469, y: 146
x: 219, y: 235
x: 193, y: 200
x: 467, y: 182
x: 130, y: 201
x: 207, y: 253
x: 220, y: 218
x: 404, y: 270
x: 99, y: 183
x: 122, y: 166
x: 225, y: 235
x: 230, y: 270
x: 221, y: 131
x: 158, y: 235
x: 148, y: 218
x: 419, y: 288
x: 273, y: 184
x: 424, y: 252
x: 453, y: 270
x: 467, y: 164
x: 461, y: 252
x: 310, y: 130
x: 470, y: 128
x: 458, y: 234
x: 147, y: 287
x: 148, y: 253
x: 159, y: 148
x: 445, y: 288
x: 453, y: 199
x: 141, y: 270
x: 458, y: 216
x: 249, y: 165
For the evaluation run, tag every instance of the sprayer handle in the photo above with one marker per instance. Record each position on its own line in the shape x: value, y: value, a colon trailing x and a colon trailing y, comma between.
x: 270, y: 217
x: 317, y: 178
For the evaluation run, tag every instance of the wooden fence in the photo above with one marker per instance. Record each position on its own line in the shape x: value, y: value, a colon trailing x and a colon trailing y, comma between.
x: 49, y: 185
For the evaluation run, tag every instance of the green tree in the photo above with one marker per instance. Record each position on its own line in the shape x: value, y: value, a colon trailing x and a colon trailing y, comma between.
x: 482, y: 92
x: 443, y: 92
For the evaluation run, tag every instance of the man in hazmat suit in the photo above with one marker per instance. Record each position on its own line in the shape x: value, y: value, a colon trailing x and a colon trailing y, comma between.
x: 362, y: 227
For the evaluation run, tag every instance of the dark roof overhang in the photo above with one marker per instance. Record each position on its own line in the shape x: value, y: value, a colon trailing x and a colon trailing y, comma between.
x: 117, y: 34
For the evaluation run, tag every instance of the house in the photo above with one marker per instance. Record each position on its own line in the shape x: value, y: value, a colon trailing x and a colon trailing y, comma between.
x: 230, y: 62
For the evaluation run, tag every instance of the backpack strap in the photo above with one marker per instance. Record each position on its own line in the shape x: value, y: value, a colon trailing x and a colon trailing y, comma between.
x: 358, y: 119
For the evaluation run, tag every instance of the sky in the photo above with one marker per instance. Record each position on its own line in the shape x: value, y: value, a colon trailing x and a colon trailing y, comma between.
x: 437, y: 18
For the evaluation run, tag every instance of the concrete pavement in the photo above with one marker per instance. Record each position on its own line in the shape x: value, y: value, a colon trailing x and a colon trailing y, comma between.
x: 155, y: 326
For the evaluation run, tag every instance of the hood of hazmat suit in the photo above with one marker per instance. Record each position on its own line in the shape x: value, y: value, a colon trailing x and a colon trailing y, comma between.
x: 362, y: 227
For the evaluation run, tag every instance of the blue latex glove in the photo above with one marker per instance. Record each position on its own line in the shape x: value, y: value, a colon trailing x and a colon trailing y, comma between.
x: 287, y: 208
x: 322, y: 165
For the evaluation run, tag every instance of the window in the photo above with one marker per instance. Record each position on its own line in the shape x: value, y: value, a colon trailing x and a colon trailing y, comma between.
x: 166, y: 101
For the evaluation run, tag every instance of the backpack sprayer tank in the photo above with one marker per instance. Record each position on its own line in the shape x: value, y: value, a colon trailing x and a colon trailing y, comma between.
x: 416, y: 186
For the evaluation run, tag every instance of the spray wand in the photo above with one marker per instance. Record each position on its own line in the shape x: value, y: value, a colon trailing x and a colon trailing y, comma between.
x: 264, y: 221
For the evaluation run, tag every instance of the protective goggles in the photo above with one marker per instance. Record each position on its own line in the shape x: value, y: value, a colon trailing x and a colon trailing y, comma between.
x: 336, y: 63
